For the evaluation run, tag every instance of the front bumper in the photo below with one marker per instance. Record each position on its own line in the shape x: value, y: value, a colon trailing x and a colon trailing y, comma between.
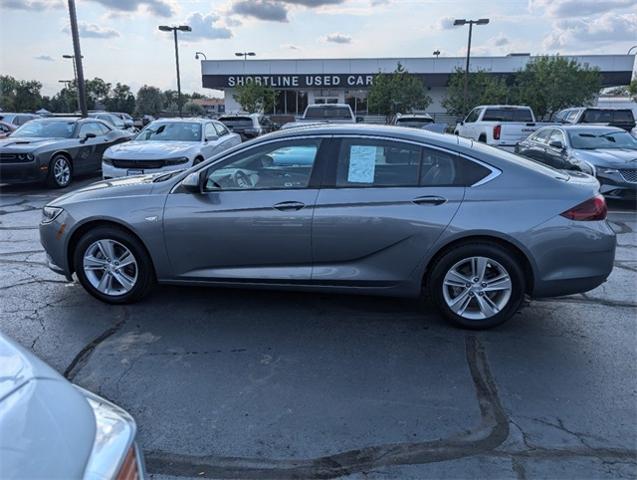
x: 53, y: 237
x: 23, y: 172
x: 617, y: 183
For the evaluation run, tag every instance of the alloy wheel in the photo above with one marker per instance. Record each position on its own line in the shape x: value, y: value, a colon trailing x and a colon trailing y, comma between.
x: 477, y: 288
x: 110, y: 267
x: 62, y: 171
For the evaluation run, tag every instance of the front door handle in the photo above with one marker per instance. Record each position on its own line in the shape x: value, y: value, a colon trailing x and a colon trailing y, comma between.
x: 286, y: 206
x: 429, y: 200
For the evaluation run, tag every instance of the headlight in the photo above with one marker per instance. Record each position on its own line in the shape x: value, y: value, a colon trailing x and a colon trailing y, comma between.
x: 107, y: 161
x: 590, y: 168
x: 114, y: 453
x: 176, y: 161
x: 50, y: 213
x: 28, y: 157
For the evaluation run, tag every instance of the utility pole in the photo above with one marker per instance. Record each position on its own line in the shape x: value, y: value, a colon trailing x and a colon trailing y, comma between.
x: 183, y: 28
x: 81, y: 87
x: 462, y: 21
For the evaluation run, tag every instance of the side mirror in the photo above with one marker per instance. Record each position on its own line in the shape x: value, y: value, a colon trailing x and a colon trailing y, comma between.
x: 193, y: 182
x: 87, y: 136
x: 556, y: 144
x: 212, y: 138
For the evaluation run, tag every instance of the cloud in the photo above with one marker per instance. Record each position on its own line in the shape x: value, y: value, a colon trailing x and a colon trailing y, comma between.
x: 500, y: 40
x: 261, y: 9
x: 203, y: 27
x: 313, y: 3
x: 160, y: 8
x: 91, y: 30
x: 44, y: 58
x: 607, y: 28
x: 444, y: 23
x: 233, y: 22
x: 31, y: 4
x: 289, y: 46
x: 338, y: 38
x: 576, y: 8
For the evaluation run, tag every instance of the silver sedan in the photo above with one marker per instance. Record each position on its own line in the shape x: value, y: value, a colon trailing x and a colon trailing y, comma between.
x: 347, y: 209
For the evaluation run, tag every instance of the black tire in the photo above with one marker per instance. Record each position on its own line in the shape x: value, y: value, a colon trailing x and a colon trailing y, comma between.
x: 197, y: 161
x: 145, y: 272
x: 59, y: 181
x: 493, y: 252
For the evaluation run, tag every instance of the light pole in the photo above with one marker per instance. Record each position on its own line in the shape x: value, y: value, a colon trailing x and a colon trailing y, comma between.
x: 459, y: 22
x: 182, y: 28
x: 245, y: 55
x: 77, y: 57
x: 72, y: 57
x: 198, y: 54
x: 437, y: 53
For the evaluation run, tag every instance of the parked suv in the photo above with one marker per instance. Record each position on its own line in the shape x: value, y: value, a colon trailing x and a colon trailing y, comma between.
x: 613, y: 117
x: 248, y: 126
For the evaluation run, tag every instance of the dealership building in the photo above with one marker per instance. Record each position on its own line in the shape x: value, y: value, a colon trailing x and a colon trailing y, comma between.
x: 347, y: 80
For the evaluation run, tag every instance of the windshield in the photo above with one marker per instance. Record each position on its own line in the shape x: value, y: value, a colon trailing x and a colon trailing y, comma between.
x: 46, y: 128
x: 593, y: 139
x: 413, y: 122
x: 175, y: 132
x: 236, y: 121
x: 327, y: 112
x: 507, y: 115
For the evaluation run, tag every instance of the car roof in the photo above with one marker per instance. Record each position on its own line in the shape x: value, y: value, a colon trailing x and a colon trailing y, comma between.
x: 413, y: 115
x: 184, y: 120
x: 329, y: 105
x: 588, y: 126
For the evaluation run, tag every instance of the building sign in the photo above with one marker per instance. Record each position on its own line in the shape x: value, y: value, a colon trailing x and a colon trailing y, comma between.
x: 291, y: 81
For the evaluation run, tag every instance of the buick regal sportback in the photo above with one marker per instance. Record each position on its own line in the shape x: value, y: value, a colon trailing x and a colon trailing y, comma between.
x: 348, y: 209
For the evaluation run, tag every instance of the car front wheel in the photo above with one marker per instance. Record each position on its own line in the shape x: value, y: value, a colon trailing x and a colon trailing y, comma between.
x: 60, y: 172
x: 113, y: 266
x: 477, y: 285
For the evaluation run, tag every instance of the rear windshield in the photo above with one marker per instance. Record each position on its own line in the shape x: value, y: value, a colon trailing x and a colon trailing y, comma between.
x: 327, y: 112
x: 507, y: 115
x: 593, y: 139
x: 413, y: 122
x: 236, y: 121
x: 606, y: 116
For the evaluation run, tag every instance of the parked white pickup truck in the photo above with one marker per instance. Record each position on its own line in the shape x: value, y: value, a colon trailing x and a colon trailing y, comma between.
x: 498, y: 125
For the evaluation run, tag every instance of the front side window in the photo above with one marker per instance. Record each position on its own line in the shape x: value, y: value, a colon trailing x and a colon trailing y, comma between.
x: 171, y: 131
x: 103, y: 128
x: 46, y: 128
x: 278, y: 166
x: 542, y: 135
x: 473, y: 116
x: 210, y: 131
x: 572, y: 117
x: 90, y: 127
x: 221, y: 129
x: 556, y: 136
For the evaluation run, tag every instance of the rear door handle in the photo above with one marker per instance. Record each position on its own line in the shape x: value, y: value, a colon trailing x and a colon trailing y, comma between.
x: 286, y: 206
x: 429, y: 200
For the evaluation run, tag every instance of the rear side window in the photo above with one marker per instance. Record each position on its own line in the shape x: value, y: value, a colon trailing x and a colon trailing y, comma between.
x: 383, y: 163
x: 507, y: 115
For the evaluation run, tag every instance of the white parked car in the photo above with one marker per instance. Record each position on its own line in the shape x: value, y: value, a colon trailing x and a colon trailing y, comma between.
x: 499, y: 125
x: 324, y: 113
x: 54, y: 429
x: 168, y: 144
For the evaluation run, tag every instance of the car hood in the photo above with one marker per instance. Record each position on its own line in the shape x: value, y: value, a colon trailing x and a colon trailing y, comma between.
x: 150, y: 150
x: 26, y: 144
x: 609, y: 157
x: 117, y: 187
x: 42, y: 417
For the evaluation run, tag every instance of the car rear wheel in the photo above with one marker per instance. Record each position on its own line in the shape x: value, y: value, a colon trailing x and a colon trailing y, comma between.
x: 113, y: 266
x: 477, y: 285
x: 60, y: 172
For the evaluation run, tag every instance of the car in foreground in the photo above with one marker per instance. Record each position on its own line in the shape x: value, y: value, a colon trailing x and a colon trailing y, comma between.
x: 498, y: 125
x: 54, y: 429
x: 168, y: 144
x: 6, y: 129
x: 345, y: 209
x: 614, y: 117
x: 55, y: 149
x: 17, y: 119
x: 248, y: 126
x: 609, y: 153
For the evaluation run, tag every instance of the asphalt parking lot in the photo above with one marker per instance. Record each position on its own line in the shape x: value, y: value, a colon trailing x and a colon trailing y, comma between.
x: 245, y: 384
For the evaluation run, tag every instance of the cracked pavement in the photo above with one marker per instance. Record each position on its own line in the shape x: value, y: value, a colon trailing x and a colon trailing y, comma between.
x: 257, y: 384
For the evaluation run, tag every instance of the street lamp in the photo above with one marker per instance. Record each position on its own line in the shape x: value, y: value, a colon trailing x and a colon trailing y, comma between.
x: 460, y: 22
x: 174, y: 29
x: 245, y: 55
x: 72, y: 57
x: 436, y: 53
x: 198, y: 54
x: 77, y: 59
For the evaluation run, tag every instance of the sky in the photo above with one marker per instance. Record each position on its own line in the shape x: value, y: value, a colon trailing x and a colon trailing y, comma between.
x: 121, y: 43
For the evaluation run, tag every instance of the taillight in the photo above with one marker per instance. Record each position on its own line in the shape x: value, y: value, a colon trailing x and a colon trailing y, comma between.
x: 496, y: 132
x: 592, y: 209
x: 128, y: 470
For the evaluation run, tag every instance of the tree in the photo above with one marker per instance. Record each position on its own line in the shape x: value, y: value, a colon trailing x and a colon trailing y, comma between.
x: 193, y: 109
x: 484, y: 88
x: 97, y: 93
x: 64, y: 101
x: 255, y: 98
x: 149, y: 101
x: 632, y: 88
x: 121, y: 99
x: 397, y: 92
x: 19, y: 95
x: 551, y: 83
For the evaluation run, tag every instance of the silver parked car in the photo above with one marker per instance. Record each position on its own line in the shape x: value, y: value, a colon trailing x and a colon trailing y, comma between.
x: 54, y: 429
x: 351, y: 209
x: 168, y: 144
